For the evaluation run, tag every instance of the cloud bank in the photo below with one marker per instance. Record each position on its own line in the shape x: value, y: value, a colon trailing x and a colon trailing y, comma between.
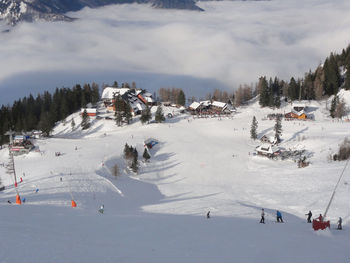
x: 233, y: 42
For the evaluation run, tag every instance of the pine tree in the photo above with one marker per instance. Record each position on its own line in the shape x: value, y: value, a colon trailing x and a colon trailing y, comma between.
x: 253, y: 129
x: 278, y: 129
x: 264, y: 92
x: 135, y: 164
x: 126, y: 151
x: 85, y: 120
x: 45, y: 124
x: 332, y: 75
x: 95, y: 96
x: 159, y: 117
x: 181, y: 99
x: 347, y: 77
x: 334, y: 104
x: 127, y: 113
x: 277, y: 101
x: 118, y: 118
x: 293, y: 89
x: 146, y: 115
x: 146, y: 155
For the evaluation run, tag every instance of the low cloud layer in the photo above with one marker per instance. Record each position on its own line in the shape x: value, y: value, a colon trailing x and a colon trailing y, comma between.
x: 229, y: 44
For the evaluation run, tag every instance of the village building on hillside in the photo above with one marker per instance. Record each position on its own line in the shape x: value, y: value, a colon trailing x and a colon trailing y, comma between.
x: 91, y: 112
x: 208, y: 107
x: 268, y: 150
x: 268, y: 138
x: 136, y: 98
x: 20, y: 145
x: 298, y: 112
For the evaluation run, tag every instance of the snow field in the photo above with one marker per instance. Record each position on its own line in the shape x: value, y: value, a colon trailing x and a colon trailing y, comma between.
x: 159, y: 214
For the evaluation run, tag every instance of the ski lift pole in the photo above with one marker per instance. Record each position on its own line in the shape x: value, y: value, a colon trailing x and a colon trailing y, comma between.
x: 12, y: 170
x: 335, y: 188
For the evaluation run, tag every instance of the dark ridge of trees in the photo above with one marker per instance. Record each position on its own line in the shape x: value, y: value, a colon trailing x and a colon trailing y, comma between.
x: 172, y: 95
x: 46, y: 109
x: 325, y: 81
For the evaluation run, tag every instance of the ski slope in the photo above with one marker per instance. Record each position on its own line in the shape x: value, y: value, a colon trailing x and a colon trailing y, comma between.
x: 158, y: 215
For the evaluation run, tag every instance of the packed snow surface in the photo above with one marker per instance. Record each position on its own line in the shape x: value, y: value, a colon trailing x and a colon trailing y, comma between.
x: 159, y: 215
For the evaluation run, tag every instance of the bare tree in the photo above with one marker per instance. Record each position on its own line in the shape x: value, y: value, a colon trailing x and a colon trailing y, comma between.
x: 115, y: 170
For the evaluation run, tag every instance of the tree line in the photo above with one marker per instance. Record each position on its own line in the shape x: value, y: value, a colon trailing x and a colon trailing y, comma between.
x: 172, y: 95
x: 43, y: 111
x: 325, y: 81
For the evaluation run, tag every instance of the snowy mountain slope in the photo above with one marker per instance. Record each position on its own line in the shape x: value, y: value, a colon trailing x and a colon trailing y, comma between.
x: 159, y: 215
x: 14, y: 11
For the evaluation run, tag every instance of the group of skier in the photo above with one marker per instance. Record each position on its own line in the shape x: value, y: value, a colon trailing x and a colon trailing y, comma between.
x: 278, y: 216
x: 309, y: 215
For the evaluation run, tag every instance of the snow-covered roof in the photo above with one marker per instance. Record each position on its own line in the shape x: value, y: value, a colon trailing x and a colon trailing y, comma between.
x: 110, y: 92
x: 149, y: 99
x: 89, y: 110
x: 205, y: 102
x: 299, y: 113
x: 219, y: 104
x: 270, y: 136
x: 194, y: 105
x: 267, y: 148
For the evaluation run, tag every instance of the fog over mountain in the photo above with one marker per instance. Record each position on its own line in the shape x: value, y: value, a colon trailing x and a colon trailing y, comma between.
x: 231, y: 43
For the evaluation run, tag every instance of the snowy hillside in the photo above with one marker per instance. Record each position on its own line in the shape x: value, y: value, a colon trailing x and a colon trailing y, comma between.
x: 159, y: 214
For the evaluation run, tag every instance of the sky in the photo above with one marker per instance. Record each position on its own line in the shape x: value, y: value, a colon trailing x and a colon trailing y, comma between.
x: 229, y: 44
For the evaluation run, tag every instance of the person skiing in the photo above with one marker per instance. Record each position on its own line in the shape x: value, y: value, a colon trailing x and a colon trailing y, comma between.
x: 208, y: 214
x: 279, y: 217
x: 102, y: 208
x: 320, y: 218
x: 8, y: 201
x: 339, y: 224
x: 309, y: 215
x: 262, y: 220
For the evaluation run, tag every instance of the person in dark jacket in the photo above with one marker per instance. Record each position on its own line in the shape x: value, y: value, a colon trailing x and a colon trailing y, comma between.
x: 279, y: 217
x: 262, y: 220
x: 339, y: 224
x: 208, y: 214
x: 309, y: 215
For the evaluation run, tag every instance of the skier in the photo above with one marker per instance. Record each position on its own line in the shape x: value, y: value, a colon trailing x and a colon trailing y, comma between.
x: 208, y: 214
x: 24, y: 200
x: 61, y: 179
x: 8, y: 201
x: 309, y: 215
x: 37, y: 190
x: 102, y: 208
x: 262, y: 220
x: 279, y: 217
x: 320, y: 218
x: 339, y: 224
